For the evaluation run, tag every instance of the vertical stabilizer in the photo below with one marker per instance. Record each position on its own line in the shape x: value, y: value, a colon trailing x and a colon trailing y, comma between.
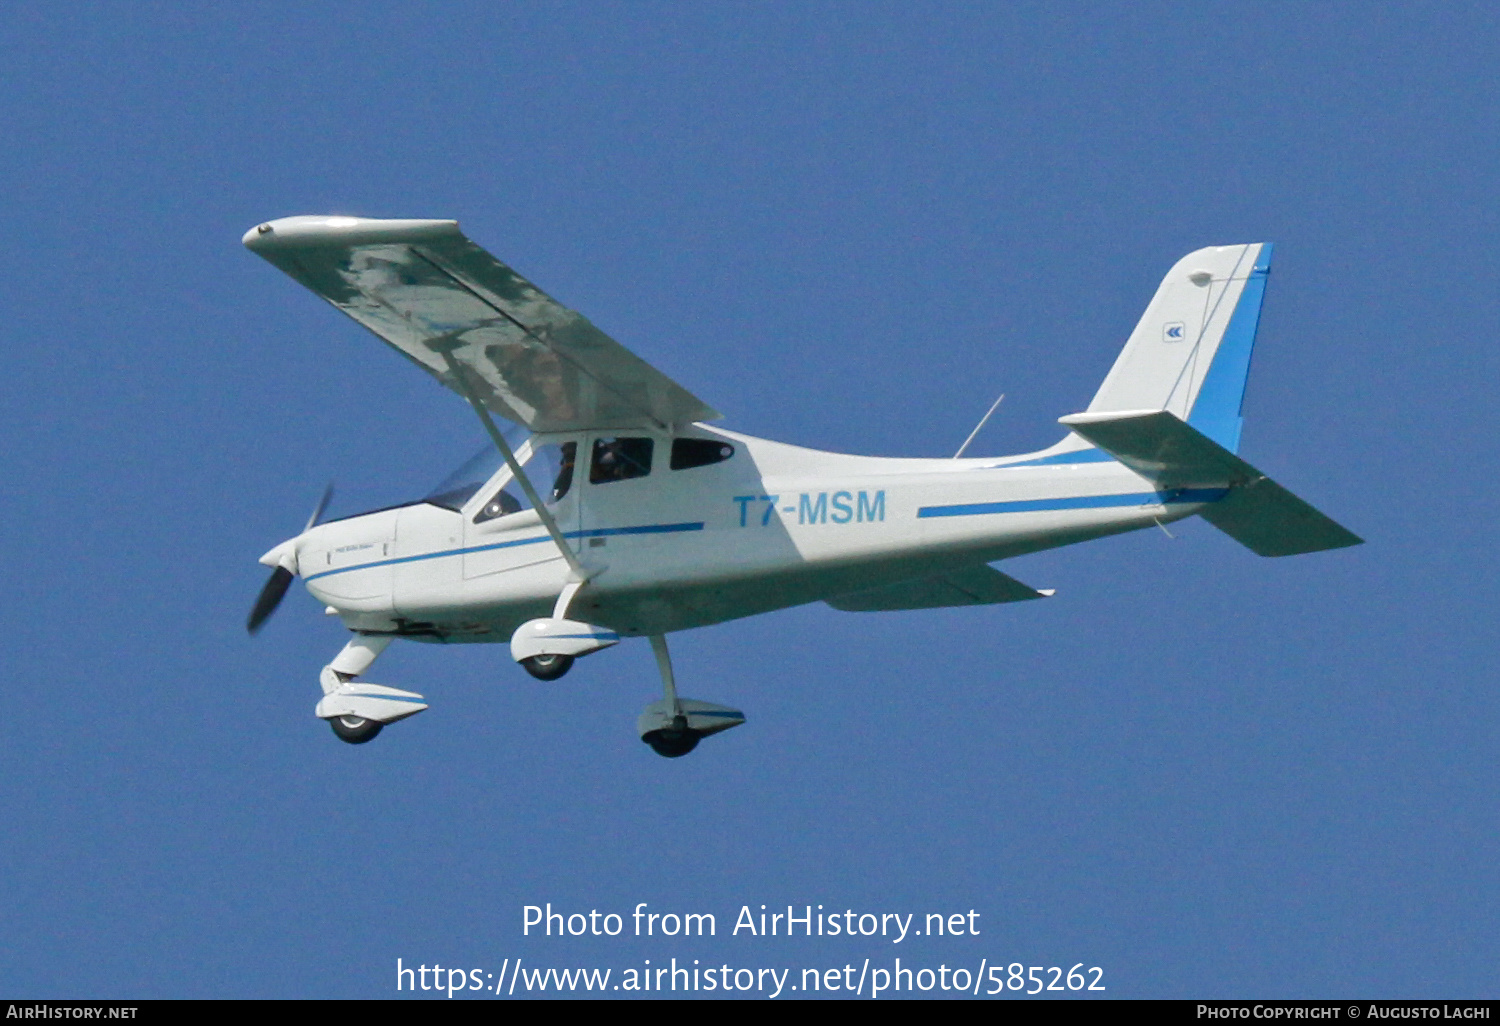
x: 1190, y: 353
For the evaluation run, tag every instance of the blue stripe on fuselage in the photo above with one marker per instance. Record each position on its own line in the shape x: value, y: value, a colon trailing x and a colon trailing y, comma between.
x: 1176, y: 495
x: 598, y: 532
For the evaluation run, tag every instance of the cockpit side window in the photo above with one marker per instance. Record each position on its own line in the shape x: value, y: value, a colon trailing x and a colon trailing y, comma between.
x: 549, y: 469
x: 688, y: 453
x: 502, y: 504
x: 563, y: 479
x: 620, y: 459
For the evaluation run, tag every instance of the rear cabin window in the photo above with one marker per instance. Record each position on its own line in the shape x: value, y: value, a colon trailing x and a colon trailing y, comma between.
x: 688, y: 453
x: 620, y: 459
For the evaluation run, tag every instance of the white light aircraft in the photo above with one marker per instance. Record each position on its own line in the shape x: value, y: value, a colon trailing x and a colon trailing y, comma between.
x: 611, y: 509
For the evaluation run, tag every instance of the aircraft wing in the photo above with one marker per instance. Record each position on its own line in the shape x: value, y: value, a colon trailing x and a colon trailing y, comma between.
x: 972, y: 586
x: 439, y: 299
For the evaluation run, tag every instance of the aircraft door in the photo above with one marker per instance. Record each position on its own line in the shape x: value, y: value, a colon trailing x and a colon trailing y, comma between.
x: 630, y: 502
x: 505, y: 533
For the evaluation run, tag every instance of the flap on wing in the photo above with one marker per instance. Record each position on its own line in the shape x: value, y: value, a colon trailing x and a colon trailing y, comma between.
x: 973, y: 586
x: 1257, y: 512
x: 431, y: 293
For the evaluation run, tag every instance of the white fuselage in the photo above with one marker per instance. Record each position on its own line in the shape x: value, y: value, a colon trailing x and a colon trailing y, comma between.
x: 770, y: 527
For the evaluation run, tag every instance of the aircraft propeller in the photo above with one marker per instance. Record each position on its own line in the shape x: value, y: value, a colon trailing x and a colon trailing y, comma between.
x: 281, y: 578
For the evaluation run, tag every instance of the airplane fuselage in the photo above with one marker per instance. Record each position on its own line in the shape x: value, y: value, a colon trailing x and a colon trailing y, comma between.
x: 771, y: 526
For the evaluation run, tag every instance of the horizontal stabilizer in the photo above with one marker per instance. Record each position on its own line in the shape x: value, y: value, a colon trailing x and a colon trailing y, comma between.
x: 973, y: 586
x: 1161, y: 448
x: 1257, y: 512
x: 1271, y: 521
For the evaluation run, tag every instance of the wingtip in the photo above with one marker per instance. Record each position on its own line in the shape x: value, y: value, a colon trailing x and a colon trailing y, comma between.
x: 340, y: 230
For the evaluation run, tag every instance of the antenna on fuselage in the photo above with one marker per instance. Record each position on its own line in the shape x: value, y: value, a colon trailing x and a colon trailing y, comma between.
x: 982, y: 421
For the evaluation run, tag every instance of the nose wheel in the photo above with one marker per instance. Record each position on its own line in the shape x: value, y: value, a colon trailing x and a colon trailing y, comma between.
x: 356, y: 730
x: 354, y: 709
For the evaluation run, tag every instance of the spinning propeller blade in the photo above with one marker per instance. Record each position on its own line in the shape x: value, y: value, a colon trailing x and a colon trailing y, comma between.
x: 281, y: 578
x: 317, y: 513
x: 270, y: 597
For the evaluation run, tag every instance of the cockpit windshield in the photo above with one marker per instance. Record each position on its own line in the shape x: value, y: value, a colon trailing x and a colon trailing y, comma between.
x: 459, y: 487
x: 549, y: 467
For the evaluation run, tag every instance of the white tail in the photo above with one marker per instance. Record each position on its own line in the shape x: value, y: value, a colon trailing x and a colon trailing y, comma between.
x: 1190, y: 353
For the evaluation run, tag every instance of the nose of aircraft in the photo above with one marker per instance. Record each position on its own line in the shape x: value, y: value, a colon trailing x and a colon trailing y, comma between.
x: 283, y: 561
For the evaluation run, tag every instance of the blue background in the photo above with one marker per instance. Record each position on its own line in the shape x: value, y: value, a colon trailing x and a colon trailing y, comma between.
x: 846, y: 226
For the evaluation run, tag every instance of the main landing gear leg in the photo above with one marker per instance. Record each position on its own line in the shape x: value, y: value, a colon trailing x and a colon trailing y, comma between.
x: 546, y: 648
x: 675, y: 739
x: 674, y: 726
x: 553, y: 665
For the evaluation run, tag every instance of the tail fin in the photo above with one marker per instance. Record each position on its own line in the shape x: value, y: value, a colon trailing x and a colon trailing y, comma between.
x: 1190, y: 353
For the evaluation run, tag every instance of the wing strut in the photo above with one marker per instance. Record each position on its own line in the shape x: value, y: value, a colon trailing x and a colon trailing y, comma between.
x: 543, y: 513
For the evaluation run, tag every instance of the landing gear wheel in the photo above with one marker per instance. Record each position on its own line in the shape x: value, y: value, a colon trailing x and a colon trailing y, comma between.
x: 355, y: 729
x: 672, y: 742
x: 547, y: 667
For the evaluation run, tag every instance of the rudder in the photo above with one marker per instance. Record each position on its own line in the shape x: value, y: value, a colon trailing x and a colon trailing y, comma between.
x: 1190, y: 352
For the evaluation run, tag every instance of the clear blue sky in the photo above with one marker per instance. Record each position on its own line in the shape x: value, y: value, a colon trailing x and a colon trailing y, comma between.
x: 846, y: 226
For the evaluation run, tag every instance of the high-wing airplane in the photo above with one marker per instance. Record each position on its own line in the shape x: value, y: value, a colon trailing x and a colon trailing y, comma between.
x: 610, y: 509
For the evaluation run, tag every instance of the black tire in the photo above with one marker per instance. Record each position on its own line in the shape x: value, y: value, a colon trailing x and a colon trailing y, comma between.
x: 672, y: 742
x: 547, y: 667
x: 355, y: 729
